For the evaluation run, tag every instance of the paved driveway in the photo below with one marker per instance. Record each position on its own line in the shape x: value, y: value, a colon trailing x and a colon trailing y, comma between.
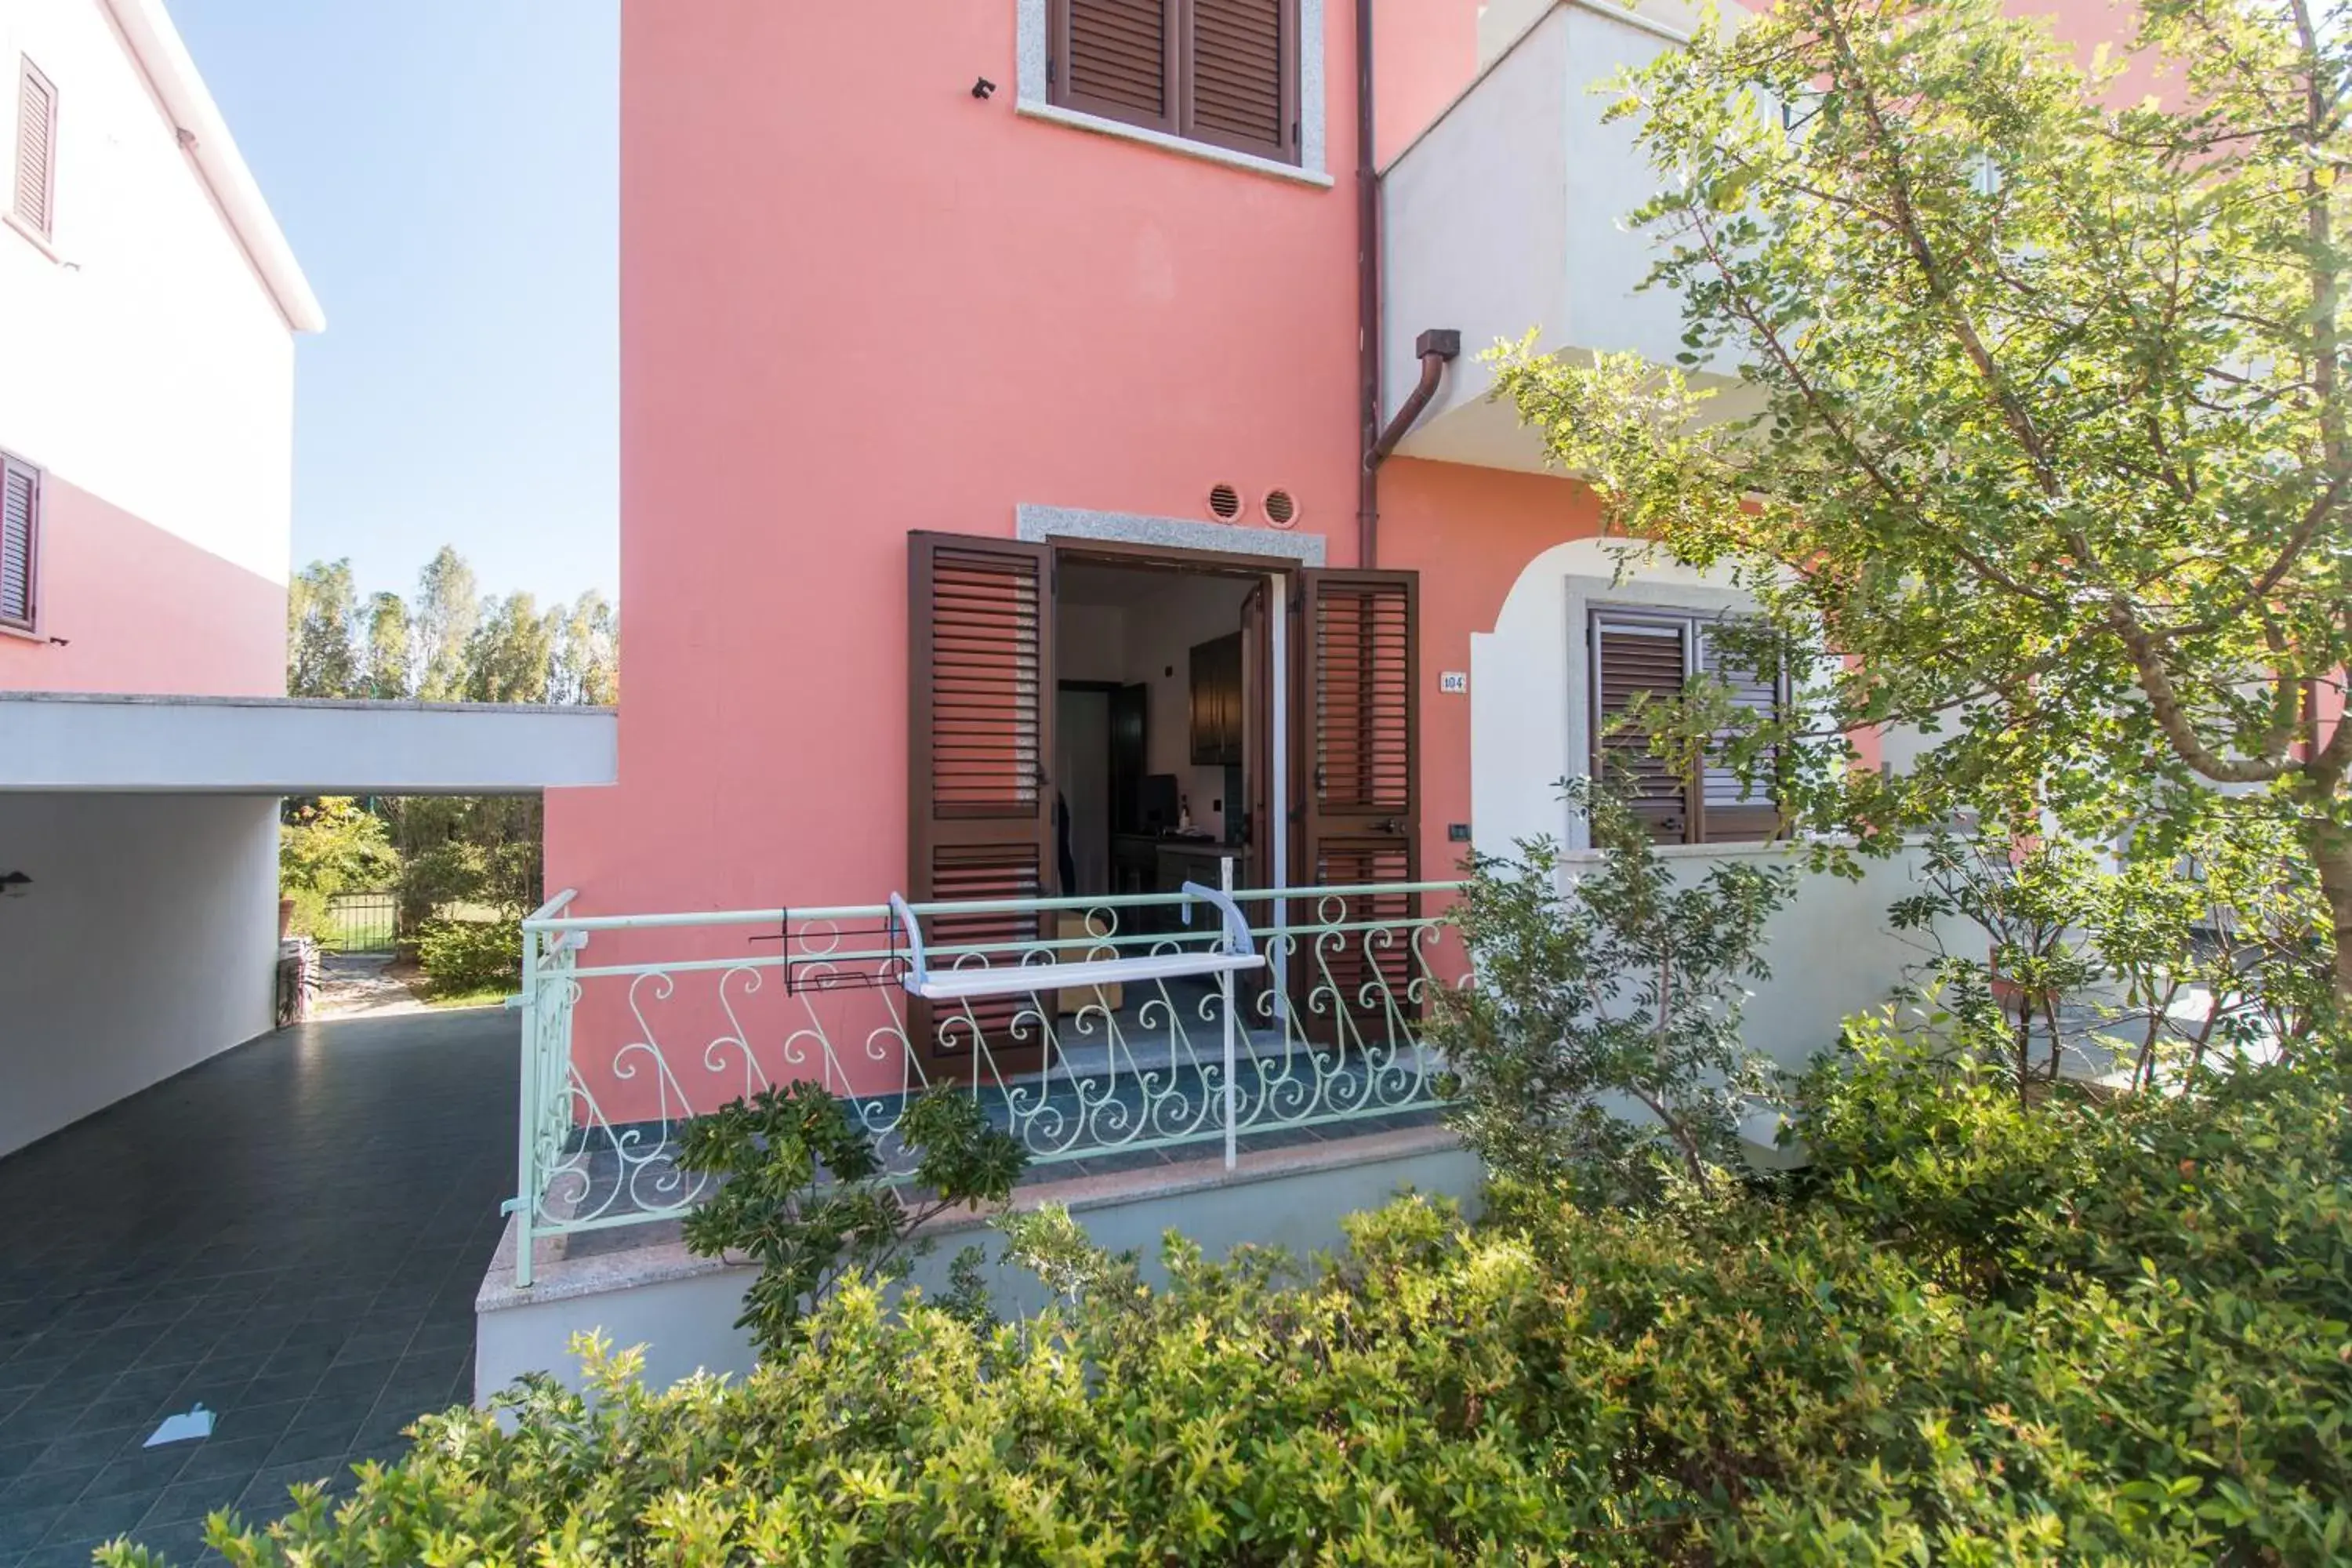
x: 291, y: 1234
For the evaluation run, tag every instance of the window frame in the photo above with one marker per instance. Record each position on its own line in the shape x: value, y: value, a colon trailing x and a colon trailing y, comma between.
x: 45, y: 229
x: 1689, y: 623
x: 1289, y: 153
x: 30, y: 625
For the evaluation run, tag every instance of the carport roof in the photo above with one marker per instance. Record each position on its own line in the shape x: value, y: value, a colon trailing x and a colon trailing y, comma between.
x: 262, y: 745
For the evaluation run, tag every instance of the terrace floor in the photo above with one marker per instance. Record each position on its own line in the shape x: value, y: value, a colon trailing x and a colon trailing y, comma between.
x: 290, y: 1234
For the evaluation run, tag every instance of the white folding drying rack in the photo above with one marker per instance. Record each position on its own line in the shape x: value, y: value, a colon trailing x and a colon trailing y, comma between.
x: 1236, y: 950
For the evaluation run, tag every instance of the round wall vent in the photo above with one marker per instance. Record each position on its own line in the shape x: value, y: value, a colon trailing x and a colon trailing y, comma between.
x: 1281, y: 507
x: 1224, y: 502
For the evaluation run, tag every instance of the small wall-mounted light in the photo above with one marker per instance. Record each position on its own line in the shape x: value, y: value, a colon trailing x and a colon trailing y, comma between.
x: 15, y: 884
x: 983, y: 87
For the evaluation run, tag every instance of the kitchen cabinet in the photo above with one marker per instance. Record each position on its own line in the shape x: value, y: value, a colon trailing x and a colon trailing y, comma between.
x: 1217, y: 701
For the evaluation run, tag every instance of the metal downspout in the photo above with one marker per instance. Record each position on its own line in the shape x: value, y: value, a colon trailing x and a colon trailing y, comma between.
x: 1367, y: 299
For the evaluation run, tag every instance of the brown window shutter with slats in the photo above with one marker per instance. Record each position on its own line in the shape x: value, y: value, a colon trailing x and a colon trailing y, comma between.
x: 36, y: 150
x: 1730, y: 812
x: 1360, y: 673
x: 1220, y: 71
x: 1238, y: 82
x: 1118, y: 58
x: 1631, y: 656
x: 1640, y: 652
x: 980, y: 803
x: 20, y: 515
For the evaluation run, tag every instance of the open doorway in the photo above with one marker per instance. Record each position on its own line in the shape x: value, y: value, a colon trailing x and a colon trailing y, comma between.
x: 1158, y: 693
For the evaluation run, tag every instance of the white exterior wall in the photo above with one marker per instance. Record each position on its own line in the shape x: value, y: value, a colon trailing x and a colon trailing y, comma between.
x: 1831, y: 951
x: 1509, y: 215
x: 146, y: 943
x: 683, y: 1308
x: 145, y: 362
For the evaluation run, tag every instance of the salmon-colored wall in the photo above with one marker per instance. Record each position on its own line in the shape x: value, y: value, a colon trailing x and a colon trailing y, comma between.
x: 128, y: 606
x: 855, y: 303
x: 1469, y: 531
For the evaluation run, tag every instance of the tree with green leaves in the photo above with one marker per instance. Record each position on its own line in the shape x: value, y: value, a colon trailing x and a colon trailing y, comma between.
x: 448, y: 609
x: 384, y: 661
x: 587, y: 657
x: 2023, y: 410
x: 321, y: 607
x: 509, y: 658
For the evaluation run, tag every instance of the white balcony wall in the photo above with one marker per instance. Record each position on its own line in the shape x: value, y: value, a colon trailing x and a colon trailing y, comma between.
x: 1509, y: 212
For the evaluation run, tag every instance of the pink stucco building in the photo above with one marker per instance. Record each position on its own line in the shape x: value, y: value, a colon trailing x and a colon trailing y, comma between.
x: 963, y: 412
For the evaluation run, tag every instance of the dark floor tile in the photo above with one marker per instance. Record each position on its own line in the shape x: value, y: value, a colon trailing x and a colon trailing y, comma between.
x: 101, y: 1517
x: 385, y: 1346
x: 264, y: 1497
x: 268, y: 1389
x: 15, y: 1458
x: 61, y: 1554
x: 80, y: 1449
x: 235, y: 1456
x: 449, y: 1334
x: 147, y: 1472
x: 313, y: 1359
x: 180, y: 1544
x: 21, y: 1529
x: 187, y: 1498
x: 357, y: 1385
x: 255, y: 1421
x: 324, y: 1443
x: 37, y: 1489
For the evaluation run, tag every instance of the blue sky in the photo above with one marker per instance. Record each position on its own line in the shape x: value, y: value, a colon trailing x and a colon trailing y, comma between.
x: 447, y: 172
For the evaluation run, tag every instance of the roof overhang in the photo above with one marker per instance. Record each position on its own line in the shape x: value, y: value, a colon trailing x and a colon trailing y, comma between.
x: 277, y: 746
x: 180, y: 91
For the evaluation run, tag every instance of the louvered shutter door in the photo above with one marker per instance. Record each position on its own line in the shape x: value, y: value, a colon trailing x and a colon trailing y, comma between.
x: 1629, y: 657
x: 980, y: 803
x: 20, y: 501
x: 1728, y: 812
x: 1238, y: 77
x: 36, y: 149
x: 1360, y: 669
x: 1118, y: 58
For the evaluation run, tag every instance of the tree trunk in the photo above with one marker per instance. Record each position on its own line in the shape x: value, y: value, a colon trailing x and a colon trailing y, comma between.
x: 2331, y: 852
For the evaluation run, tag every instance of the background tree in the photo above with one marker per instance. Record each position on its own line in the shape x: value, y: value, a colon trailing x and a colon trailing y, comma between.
x: 2041, y: 414
x: 321, y: 607
x: 511, y: 653
x: 587, y: 652
x: 384, y: 661
x: 446, y: 612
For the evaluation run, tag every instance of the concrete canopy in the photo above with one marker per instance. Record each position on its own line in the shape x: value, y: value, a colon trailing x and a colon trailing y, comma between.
x: 280, y: 746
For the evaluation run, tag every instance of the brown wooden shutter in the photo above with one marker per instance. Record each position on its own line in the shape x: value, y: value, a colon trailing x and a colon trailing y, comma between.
x: 20, y: 510
x: 1239, y: 80
x: 36, y: 150
x: 979, y: 801
x: 1633, y: 655
x: 1730, y: 813
x: 1118, y: 58
x: 1359, y: 731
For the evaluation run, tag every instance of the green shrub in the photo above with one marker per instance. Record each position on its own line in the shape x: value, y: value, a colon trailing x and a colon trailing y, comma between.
x: 2150, y: 1362
x: 1601, y: 1046
x: 804, y: 1194
x: 461, y: 956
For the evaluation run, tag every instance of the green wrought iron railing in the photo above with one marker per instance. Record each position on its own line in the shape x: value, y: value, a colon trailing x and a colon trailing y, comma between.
x: 632, y: 1025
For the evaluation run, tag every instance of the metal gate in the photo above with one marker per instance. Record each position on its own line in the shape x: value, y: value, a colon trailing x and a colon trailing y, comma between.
x: 359, y: 922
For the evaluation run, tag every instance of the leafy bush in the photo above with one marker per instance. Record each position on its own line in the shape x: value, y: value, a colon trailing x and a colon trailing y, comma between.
x: 462, y: 956
x: 2148, y: 1360
x: 327, y: 847
x: 805, y: 1196
x: 1619, y: 994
